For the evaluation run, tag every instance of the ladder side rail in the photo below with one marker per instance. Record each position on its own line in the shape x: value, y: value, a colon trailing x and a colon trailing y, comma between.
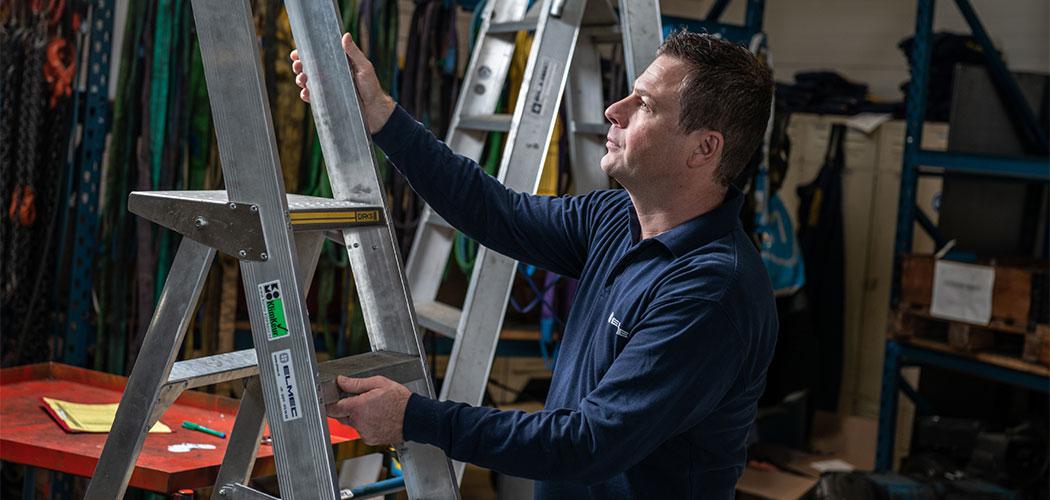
x: 485, y: 76
x: 175, y: 309
x: 535, y: 111
x: 245, y: 438
x: 251, y: 169
x: 374, y: 258
x: 642, y: 34
x: 584, y: 106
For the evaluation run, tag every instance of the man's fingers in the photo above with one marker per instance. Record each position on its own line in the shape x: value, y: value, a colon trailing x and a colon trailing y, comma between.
x: 300, y: 80
x: 341, y: 408
x: 294, y: 55
x: 304, y: 95
x: 297, y: 66
x: 357, y: 58
x: 360, y: 385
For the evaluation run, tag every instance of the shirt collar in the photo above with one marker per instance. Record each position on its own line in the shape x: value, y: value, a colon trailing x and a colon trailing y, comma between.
x: 699, y: 230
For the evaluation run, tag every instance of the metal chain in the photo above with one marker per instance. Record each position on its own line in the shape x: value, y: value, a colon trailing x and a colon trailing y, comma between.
x: 21, y: 210
x: 11, y: 42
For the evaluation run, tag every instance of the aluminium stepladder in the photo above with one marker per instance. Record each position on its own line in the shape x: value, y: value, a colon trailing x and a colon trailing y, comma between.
x: 278, y: 238
x: 565, y: 30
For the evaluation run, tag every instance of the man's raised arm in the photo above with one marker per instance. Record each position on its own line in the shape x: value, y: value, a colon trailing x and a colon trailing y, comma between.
x: 550, y: 232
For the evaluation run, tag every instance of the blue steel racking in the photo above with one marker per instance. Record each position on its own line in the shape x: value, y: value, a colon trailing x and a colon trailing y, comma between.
x: 742, y: 34
x: 80, y: 331
x: 918, y: 161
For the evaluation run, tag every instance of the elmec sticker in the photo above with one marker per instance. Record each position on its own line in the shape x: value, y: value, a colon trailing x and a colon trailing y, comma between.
x: 273, y: 305
x: 287, y: 387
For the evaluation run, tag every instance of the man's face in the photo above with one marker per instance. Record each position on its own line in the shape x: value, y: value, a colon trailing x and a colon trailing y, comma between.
x: 645, y: 141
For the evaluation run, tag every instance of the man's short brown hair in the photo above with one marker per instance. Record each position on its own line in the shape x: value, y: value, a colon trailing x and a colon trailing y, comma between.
x: 727, y: 90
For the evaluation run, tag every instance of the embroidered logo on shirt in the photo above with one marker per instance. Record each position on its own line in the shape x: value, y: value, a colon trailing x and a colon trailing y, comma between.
x: 615, y: 322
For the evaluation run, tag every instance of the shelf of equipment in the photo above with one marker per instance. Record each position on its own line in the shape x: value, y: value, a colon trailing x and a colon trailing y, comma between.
x: 918, y: 162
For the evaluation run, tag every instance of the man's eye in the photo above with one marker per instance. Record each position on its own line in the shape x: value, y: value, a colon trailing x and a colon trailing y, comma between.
x: 643, y: 104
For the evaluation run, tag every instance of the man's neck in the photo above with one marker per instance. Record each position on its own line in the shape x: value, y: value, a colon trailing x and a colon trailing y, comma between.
x: 659, y: 214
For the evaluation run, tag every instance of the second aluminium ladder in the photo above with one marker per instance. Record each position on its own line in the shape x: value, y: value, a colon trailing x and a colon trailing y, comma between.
x: 563, y: 30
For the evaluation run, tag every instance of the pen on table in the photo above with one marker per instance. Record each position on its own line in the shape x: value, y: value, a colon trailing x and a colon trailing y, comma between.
x: 197, y: 427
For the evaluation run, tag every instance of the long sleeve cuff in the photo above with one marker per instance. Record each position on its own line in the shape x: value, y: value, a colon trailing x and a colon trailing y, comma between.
x: 394, y: 135
x: 427, y: 421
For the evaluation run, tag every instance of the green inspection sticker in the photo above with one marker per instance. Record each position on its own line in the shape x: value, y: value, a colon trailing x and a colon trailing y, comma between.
x: 273, y: 306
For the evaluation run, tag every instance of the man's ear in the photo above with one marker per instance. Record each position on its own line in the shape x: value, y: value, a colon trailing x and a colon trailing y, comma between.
x: 708, y: 148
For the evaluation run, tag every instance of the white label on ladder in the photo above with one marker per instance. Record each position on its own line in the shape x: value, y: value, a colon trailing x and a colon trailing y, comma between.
x: 545, y: 69
x: 273, y: 304
x: 286, y: 385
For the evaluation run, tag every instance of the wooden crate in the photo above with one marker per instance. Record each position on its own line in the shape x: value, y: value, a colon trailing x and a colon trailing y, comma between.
x: 1011, y: 294
x: 999, y: 337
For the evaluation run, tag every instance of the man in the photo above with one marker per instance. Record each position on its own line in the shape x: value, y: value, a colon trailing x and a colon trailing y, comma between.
x: 665, y: 351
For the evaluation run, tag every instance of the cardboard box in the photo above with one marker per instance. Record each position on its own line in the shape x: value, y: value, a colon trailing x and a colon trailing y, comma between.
x: 1011, y: 294
x: 848, y: 438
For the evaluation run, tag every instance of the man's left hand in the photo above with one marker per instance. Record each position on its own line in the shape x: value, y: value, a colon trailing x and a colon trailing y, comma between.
x: 377, y: 411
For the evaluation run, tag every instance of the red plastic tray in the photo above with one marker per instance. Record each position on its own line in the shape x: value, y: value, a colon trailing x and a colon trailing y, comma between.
x: 28, y: 435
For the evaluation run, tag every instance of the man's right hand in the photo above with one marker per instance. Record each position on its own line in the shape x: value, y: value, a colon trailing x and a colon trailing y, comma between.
x: 377, y: 106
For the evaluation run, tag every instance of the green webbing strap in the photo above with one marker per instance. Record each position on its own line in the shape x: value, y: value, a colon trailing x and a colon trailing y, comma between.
x: 160, y: 85
x: 113, y: 278
x: 200, y: 121
x: 158, y: 102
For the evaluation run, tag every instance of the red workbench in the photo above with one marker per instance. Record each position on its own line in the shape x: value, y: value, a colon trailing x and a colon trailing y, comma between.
x: 28, y: 435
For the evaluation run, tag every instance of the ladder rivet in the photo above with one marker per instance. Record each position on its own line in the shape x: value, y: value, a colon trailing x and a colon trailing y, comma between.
x: 242, y: 254
x: 254, y: 208
x: 356, y: 245
x: 484, y: 72
x: 264, y: 256
x: 232, y: 205
x: 479, y: 89
x: 200, y: 222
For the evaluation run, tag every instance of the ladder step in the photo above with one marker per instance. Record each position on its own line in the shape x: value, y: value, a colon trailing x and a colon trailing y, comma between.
x: 438, y: 220
x: 438, y: 317
x: 603, y: 33
x: 401, y: 368
x: 234, y: 227
x: 310, y: 213
x: 512, y: 27
x: 591, y: 128
x: 209, y: 370
x: 499, y: 122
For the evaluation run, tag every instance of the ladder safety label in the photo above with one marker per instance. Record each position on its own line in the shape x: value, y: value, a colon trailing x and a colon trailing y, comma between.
x: 273, y: 307
x: 286, y: 385
x: 541, y: 84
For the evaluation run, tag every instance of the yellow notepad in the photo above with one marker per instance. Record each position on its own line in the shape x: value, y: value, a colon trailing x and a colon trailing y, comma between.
x: 80, y: 417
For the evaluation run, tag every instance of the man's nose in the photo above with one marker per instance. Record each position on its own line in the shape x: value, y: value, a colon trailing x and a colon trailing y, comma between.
x: 614, y: 115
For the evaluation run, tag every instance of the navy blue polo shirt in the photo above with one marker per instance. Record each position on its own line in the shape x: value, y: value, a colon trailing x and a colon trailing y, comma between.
x: 664, y: 353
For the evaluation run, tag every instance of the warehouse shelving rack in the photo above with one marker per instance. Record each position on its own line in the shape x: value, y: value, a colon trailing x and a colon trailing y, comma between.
x: 919, y: 162
x: 712, y: 22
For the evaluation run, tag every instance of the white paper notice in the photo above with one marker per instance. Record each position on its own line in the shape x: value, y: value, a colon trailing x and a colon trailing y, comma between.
x: 962, y: 292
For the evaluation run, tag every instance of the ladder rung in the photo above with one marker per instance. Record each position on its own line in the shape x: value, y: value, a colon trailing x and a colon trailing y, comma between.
x: 591, y: 128
x: 208, y: 370
x: 401, y: 368
x: 437, y: 220
x: 499, y: 122
x: 603, y: 33
x: 527, y: 24
x: 234, y: 227
x: 311, y: 213
x: 439, y: 317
